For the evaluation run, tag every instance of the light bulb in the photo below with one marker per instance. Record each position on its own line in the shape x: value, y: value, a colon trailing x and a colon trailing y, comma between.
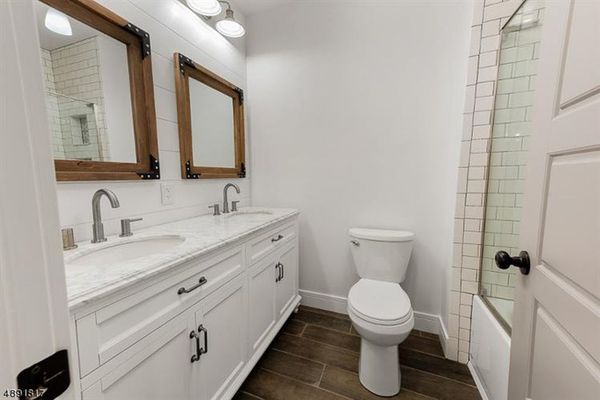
x: 58, y: 22
x: 205, y: 7
x: 229, y: 26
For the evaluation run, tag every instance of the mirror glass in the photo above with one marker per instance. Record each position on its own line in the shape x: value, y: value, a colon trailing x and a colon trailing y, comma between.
x: 212, y: 126
x: 88, y: 97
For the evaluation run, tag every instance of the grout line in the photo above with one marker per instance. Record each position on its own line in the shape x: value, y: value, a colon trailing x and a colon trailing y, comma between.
x: 439, y: 376
x: 296, y: 355
x: 251, y: 394
x: 428, y: 354
x: 329, y: 344
x: 326, y: 313
x: 321, y: 377
x: 304, y: 383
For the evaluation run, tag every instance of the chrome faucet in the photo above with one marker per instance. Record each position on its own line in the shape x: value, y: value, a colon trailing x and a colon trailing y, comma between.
x: 225, y: 201
x: 97, y: 227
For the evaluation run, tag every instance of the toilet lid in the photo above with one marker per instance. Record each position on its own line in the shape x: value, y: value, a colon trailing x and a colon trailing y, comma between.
x: 380, y: 302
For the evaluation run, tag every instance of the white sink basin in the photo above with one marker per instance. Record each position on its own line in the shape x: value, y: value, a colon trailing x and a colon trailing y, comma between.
x: 127, y: 251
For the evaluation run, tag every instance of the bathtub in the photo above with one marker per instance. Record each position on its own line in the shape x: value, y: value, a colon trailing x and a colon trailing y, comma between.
x: 490, y: 349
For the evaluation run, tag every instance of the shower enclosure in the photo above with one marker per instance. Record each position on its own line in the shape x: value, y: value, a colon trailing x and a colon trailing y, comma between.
x: 512, y: 116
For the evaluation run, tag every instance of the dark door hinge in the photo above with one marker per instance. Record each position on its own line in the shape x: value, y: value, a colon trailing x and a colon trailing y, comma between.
x: 45, y: 380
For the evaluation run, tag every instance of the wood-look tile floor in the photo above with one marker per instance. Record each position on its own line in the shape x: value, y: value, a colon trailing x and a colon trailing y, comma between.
x: 315, y: 356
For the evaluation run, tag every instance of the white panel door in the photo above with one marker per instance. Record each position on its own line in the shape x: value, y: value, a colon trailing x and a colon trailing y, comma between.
x: 33, y: 301
x: 555, y: 351
x: 221, y: 322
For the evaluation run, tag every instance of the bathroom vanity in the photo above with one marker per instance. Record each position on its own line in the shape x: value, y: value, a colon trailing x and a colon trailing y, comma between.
x: 182, y: 310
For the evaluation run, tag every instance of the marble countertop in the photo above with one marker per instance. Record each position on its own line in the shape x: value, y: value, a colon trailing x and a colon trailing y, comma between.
x: 202, y: 234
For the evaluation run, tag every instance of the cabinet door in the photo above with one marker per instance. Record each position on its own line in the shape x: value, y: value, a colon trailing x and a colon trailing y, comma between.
x: 286, y: 287
x: 221, y: 321
x: 261, y: 302
x: 161, y: 369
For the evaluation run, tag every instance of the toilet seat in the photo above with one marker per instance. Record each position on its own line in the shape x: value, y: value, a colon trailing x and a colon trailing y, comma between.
x: 379, y: 302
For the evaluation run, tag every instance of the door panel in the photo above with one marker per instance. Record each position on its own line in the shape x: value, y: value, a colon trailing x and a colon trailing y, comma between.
x: 285, y: 288
x: 571, y: 306
x: 572, y: 218
x: 582, y: 61
x: 577, y: 371
x: 555, y: 352
x: 162, y: 370
x: 261, y: 299
x: 223, y: 315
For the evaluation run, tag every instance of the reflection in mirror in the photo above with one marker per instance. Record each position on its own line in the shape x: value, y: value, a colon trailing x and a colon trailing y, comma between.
x: 210, y: 112
x: 212, y: 126
x: 87, y: 90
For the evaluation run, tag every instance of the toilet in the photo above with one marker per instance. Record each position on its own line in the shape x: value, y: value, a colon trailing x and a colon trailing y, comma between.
x: 378, y: 307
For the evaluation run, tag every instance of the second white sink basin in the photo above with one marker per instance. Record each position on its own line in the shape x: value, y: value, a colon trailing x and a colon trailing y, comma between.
x: 248, y: 213
x: 126, y: 251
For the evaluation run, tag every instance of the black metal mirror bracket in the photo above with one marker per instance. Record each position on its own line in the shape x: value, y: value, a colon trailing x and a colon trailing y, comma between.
x: 185, y: 61
x: 154, y: 170
x: 242, y: 173
x: 144, y: 38
x: 188, y: 171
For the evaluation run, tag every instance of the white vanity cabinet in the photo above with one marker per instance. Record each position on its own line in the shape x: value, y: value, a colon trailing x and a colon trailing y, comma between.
x: 157, y: 341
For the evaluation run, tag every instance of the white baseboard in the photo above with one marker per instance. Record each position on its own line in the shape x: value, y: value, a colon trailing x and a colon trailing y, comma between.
x: 478, y: 382
x: 324, y: 301
x: 423, y: 321
x: 444, y: 337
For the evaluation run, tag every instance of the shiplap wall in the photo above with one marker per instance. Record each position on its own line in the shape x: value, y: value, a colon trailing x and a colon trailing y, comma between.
x: 172, y: 28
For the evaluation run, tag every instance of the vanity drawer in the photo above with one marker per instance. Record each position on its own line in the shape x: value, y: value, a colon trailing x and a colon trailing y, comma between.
x: 267, y: 243
x: 112, y: 329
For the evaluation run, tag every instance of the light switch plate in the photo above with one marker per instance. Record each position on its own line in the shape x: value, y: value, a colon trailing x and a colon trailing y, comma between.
x: 167, y: 194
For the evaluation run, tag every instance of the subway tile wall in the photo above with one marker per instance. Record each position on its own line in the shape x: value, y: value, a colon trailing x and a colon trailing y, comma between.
x: 74, y: 85
x: 483, y: 70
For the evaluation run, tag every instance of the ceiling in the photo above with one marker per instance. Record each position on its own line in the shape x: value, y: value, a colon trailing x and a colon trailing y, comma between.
x: 50, y: 40
x: 249, y: 7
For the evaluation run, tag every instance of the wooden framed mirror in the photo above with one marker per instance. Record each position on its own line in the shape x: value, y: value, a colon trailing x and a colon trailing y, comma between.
x: 99, y: 92
x: 210, y: 114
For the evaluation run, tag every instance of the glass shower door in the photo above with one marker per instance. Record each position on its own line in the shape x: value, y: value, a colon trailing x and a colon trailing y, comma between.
x: 512, y: 116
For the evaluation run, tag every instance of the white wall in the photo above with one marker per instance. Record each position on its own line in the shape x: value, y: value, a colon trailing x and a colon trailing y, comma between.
x: 355, y: 116
x: 172, y: 28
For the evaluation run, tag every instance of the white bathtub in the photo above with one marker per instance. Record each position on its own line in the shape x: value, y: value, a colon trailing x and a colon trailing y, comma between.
x: 490, y: 351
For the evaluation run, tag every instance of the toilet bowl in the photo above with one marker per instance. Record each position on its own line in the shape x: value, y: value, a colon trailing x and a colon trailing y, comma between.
x: 378, y: 307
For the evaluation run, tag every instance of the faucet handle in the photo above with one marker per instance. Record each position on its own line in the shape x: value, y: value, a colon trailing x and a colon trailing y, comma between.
x: 126, y: 226
x: 215, y: 208
x: 234, y: 205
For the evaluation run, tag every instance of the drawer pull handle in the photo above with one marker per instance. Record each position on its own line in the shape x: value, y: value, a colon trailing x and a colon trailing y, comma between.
x: 201, y: 282
x: 205, y: 332
x: 277, y: 239
x: 282, y: 271
x: 196, y: 357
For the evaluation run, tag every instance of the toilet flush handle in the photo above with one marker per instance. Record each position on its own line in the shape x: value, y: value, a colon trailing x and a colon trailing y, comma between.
x: 355, y: 242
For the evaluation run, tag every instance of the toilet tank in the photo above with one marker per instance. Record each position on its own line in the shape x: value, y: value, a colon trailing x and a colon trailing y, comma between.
x: 381, y: 254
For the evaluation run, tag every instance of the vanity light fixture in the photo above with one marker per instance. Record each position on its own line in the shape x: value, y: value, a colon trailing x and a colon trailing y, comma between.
x: 58, y: 22
x: 208, y: 8
x: 228, y: 26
